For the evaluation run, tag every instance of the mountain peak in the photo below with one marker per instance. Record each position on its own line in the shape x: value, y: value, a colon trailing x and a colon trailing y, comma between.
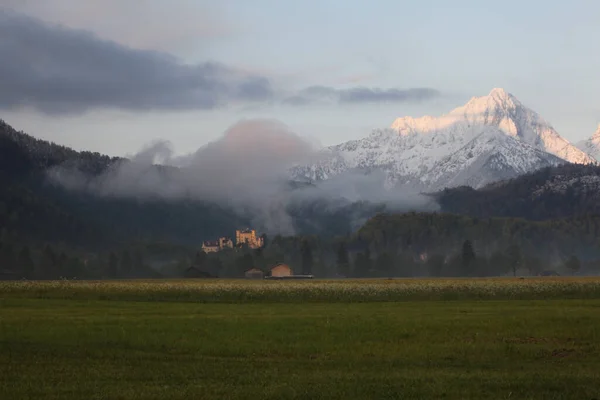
x: 498, y: 100
x: 499, y: 93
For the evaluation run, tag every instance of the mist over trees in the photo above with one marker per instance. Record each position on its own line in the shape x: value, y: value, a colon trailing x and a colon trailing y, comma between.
x: 395, y: 245
x: 536, y: 223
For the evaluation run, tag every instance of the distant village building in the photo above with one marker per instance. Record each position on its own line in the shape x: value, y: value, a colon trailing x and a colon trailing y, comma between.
x: 249, y: 238
x: 210, y: 246
x: 254, y: 273
x: 246, y: 237
x: 217, y: 245
x: 225, y: 243
x: 280, y: 270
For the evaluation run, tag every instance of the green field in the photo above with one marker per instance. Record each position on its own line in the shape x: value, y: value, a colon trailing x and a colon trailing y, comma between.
x: 371, y: 339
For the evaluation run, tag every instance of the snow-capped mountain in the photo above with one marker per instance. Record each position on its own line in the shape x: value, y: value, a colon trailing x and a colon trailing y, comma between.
x: 591, y: 145
x: 490, y: 138
x: 489, y: 157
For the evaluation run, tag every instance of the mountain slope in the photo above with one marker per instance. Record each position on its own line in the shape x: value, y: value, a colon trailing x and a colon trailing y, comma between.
x: 489, y: 157
x: 591, y: 145
x: 555, y: 192
x: 502, y: 110
x: 35, y: 205
x: 413, y: 150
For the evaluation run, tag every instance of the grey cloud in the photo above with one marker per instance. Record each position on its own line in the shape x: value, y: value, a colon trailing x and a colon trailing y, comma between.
x: 297, y: 100
x: 245, y: 169
x: 248, y: 169
x: 60, y: 70
x: 363, y: 95
x: 173, y: 25
x: 315, y: 94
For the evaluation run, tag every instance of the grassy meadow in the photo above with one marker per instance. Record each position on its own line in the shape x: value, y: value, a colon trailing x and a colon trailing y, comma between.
x: 532, y: 338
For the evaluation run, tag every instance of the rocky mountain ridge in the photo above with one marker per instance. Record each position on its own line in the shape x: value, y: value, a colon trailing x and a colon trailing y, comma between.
x: 490, y: 138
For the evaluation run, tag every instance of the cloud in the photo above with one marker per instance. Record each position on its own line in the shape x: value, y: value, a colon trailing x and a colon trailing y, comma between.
x: 247, y: 169
x: 143, y: 24
x: 58, y: 70
x: 366, y: 95
x: 324, y: 94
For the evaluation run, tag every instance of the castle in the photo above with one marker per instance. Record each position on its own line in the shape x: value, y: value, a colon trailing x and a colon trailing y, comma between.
x: 217, y: 245
x: 249, y: 238
x: 246, y: 237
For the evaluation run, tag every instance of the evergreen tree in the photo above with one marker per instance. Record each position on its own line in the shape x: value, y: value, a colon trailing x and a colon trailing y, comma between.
x: 435, y: 265
x: 514, y: 258
x: 343, y: 261
x: 307, y: 258
x: 259, y: 258
x: 126, y: 264
x: 75, y: 268
x: 138, y: 262
x: 362, y: 264
x: 534, y: 265
x: 61, y: 264
x: 7, y: 257
x: 244, y: 263
x: 404, y: 264
x: 498, y: 263
x: 113, y: 266
x: 573, y: 264
x: 384, y: 265
x: 26, y: 264
x: 200, y: 259
x: 216, y: 267
x: 48, y: 264
x: 468, y: 258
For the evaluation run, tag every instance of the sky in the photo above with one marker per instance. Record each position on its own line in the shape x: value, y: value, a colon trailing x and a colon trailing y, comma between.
x: 114, y: 75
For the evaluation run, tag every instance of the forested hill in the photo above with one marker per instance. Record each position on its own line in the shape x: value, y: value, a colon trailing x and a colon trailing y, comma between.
x: 21, y: 153
x: 34, y: 209
x: 556, y: 192
x: 549, y: 216
x: 444, y: 233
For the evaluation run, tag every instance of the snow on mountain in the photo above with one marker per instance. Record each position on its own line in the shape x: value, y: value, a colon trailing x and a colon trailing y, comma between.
x: 490, y: 138
x: 504, y: 111
x: 489, y: 157
x: 592, y: 145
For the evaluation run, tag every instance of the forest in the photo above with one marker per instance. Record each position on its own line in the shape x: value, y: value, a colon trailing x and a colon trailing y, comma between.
x: 540, y: 223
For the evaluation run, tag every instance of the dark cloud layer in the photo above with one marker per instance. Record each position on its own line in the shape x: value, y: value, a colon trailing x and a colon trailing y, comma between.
x: 364, y: 95
x: 317, y: 94
x: 56, y: 70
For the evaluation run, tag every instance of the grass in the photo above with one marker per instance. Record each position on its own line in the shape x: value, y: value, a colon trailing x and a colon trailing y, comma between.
x: 175, y: 340
x: 345, y: 291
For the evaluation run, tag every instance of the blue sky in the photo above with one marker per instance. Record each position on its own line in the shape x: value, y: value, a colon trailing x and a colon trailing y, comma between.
x: 543, y: 52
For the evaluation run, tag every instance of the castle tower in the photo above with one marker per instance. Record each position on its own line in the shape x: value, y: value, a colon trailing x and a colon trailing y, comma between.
x: 248, y: 237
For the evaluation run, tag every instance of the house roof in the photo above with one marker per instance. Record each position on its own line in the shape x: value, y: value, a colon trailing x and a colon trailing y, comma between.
x: 253, y: 269
x: 280, y: 265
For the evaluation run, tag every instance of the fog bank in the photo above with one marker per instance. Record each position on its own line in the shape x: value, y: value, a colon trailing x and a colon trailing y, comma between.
x: 246, y: 169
